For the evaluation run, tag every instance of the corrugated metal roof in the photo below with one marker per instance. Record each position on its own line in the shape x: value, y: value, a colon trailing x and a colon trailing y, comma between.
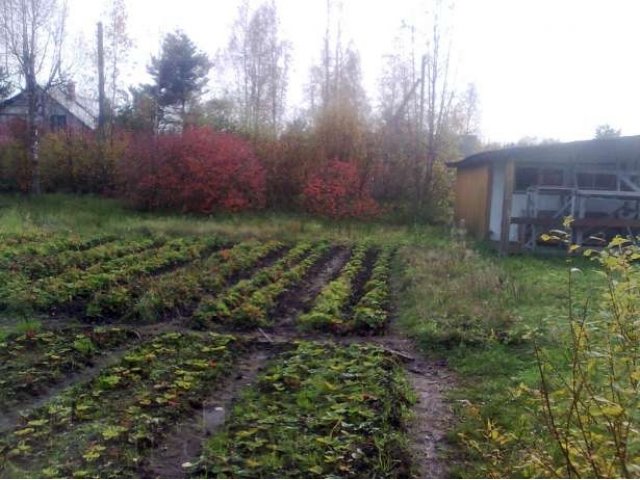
x: 589, y: 151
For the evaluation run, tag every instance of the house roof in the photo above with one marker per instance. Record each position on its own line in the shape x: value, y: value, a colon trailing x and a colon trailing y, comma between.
x: 71, y: 105
x: 74, y: 107
x: 588, y: 151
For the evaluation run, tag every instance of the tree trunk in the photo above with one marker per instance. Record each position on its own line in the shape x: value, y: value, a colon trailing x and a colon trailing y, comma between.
x: 33, y: 147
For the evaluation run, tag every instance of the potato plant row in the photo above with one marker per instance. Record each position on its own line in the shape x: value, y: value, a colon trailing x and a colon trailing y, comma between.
x: 104, y: 428
x: 330, y: 307
x: 30, y: 363
x: 318, y: 411
x: 76, y: 283
x: 151, y: 298
x: 252, y: 309
x: 372, y: 310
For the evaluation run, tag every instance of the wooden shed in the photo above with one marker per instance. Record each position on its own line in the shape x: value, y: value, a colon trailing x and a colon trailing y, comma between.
x: 512, y: 196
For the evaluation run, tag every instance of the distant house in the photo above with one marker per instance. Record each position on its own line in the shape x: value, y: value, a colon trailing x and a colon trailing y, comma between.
x: 58, y: 109
x: 513, y: 195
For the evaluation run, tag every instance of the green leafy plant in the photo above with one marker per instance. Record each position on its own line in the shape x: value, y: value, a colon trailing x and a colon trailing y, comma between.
x: 590, y: 398
x: 330, y: 307
x: 103, y: 427
x: 317, y: 411
x: 35, y: 360
x: 250, y: 304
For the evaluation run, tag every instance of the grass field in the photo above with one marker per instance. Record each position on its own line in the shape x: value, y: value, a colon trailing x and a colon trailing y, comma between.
x: 122, y: 335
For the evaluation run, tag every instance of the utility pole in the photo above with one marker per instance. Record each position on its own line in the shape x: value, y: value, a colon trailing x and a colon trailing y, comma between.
x: 101, y: 93
x: 101, y: 107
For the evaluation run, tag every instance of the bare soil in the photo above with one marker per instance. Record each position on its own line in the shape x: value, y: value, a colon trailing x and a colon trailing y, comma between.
x: 432, y: 415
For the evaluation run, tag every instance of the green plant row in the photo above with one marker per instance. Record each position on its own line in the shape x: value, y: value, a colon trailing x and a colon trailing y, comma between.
x: 76, y: 283
x: 318, y: 411
x: 219, y: 308
x: 372, y: 310
x: 20, y: 277
x: 105, y: 427
x: 151, y: 298
x: 329, y: 309
x: 30, y: 363
x: 51, y: 265
x: 254, y: 309
x: 15, y: 254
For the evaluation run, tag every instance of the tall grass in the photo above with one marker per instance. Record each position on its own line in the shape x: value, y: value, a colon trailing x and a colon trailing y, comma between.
x: 88, y: 215
x: 481, y: 313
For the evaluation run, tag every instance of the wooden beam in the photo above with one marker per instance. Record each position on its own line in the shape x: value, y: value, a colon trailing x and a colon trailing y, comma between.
x: 506, y: 207
x: 603, y: 222
x: 487, y: 218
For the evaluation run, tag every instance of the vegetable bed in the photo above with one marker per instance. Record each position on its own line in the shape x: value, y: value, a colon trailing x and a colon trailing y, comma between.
x: 317, y: 411
x: 104, y: 428
x: 32, y: 362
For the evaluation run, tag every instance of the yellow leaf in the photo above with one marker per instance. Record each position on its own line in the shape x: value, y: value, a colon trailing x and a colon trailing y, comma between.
x: 613, y: 410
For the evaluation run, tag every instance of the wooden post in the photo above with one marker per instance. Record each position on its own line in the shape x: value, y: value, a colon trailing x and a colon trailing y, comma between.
x: 101, y: 93
x: 506, y: 207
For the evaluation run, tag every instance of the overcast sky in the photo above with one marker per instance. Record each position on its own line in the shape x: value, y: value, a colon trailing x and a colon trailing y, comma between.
x: 543, y: 68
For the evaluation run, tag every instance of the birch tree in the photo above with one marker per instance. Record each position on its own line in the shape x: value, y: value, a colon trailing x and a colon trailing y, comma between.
x: 32, y: 34
x: 117, y: 46
x: 421, y: 111
x: 259, y: 59
x: 339, y: 106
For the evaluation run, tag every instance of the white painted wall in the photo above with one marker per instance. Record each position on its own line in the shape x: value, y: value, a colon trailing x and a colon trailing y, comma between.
x: 497, y: 199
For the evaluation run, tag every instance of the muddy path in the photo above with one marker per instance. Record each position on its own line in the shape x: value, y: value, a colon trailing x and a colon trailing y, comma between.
x: 185, y: 441
x: 432, y: 413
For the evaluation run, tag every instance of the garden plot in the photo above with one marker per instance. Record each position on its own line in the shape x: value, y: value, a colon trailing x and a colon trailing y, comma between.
x: 358, y: 300
x: 32, y: 362
x: 104, y: 427
x: 177, y: 292
x: 250, y: 303
x: 68, y: 291
x: 188, y: 322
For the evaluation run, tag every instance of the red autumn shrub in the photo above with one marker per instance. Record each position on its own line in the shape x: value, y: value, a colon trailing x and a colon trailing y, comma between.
x: 337, y: 191
x: 197, y: 171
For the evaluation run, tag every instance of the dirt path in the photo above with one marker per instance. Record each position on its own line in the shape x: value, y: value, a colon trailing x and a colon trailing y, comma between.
x: 433, y: 416
x: 184, y: 442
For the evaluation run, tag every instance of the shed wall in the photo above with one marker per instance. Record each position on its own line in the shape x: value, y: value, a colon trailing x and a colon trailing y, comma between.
x: 472, y: 199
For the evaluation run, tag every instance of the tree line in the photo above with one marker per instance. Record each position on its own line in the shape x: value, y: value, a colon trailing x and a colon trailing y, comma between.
x: 384, y: 158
